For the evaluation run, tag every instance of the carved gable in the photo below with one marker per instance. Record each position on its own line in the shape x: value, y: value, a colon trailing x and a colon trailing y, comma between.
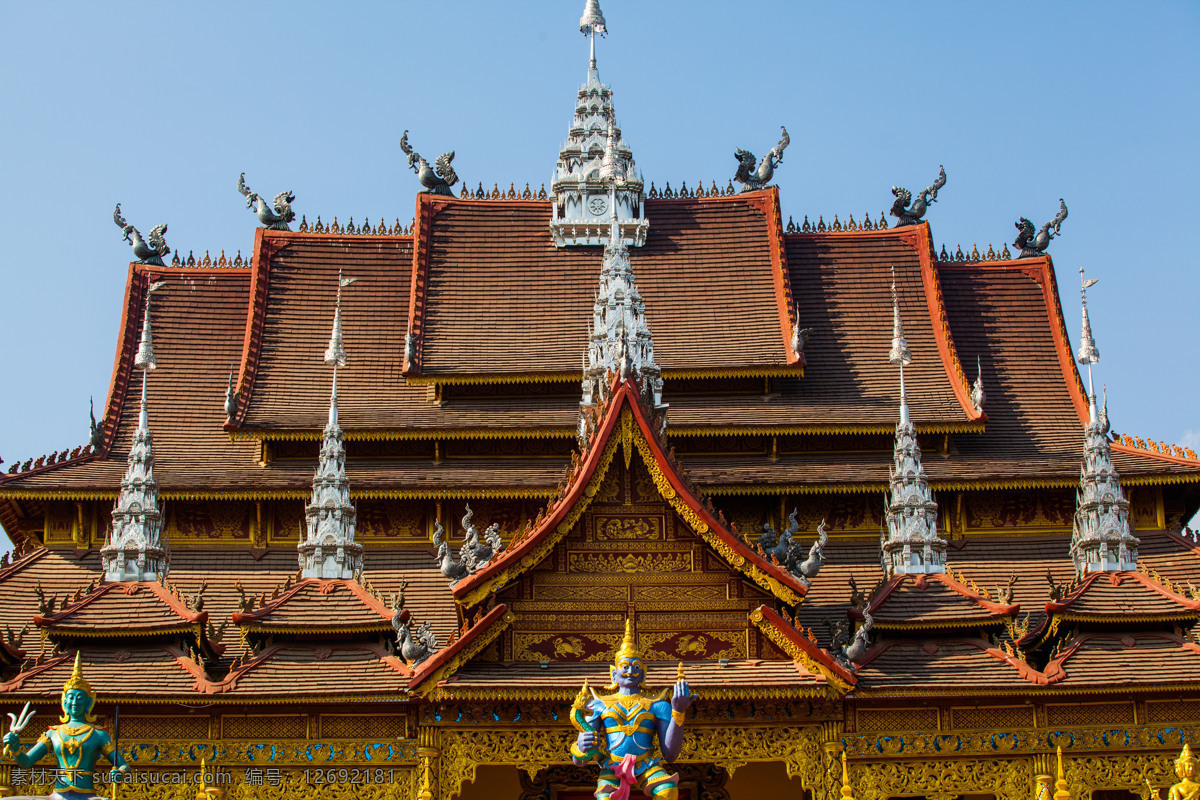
x: 630, y: 552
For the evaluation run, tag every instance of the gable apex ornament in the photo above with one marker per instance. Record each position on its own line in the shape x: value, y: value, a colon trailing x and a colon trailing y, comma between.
x: 1033, y: 244
x: 437, y: 179
x: 150, y: 250
x: 909, y: 212
x: 274, y: 217
x: 754, y: 174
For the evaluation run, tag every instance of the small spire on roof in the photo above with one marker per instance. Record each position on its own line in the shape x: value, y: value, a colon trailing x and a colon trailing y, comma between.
x: 328, y: 549
x: 590, y: 24
x: 978, y: 395
x: 1102, y: 538
x: 136, y: 549
x: 230, y: 398
x: 910, y: 544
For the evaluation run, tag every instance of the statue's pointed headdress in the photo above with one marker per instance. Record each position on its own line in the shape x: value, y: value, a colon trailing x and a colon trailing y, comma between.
x: 628, y: 647
x: 1185, y: 756
x: 77, y: 681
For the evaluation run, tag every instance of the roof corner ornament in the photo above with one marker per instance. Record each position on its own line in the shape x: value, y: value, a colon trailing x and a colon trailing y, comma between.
x: 412, y: 648
x: 757, y: 177
x: 473, y: 556
x: 908, y: 212
x: 437, y: 179
x: 96, y: 437
x: 274, y: 217
x: 149, y: 251
x: 1033, y: 245
x: 799, y: 335
x: 978, y: 395
x: 854, y: 652
x: 231, y: 398
x: 786, y: 552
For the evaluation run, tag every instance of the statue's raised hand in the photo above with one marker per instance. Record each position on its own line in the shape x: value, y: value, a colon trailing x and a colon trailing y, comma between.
x: 682, y: 699
x: 12, y: 741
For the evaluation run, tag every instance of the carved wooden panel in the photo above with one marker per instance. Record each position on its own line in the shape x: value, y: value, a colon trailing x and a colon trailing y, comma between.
x: 1035, y: 510
x: 631, y: 552
x: 228, y: 520
x: 390, y: 521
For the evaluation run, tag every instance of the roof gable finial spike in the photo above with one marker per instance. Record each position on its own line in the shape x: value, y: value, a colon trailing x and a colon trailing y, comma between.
x: 590, y: 24
x: 1088, y: 353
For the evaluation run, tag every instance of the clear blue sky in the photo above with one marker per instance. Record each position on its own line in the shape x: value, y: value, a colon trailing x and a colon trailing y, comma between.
x: 159, y: 106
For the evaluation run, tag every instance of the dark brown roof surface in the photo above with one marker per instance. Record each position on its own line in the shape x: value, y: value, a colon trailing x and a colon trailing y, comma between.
x: 1115, y: 660
x: 705, y: 272
x: 137, y: 674
x: 1121, y: 596
x: 942, y: 666
x: 136, y: 609
x: 320, y: 606
x: 933, y: 601
x: 320, y: 671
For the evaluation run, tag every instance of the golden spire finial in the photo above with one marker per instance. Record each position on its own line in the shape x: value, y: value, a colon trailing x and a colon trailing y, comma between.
x: 847, y: 792
x: 1061, y: 792
x: 77, y: 681
x: 628, y: 644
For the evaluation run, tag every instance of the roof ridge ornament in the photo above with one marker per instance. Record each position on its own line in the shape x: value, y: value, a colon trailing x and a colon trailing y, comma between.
x: 908, y: 212
x: 151, y: 250
x: 909, y: 544
x: 274, y: 217
x: 1033, y: 245
x: 1102, y: 537
x: 437, y: 179
x: 755, y: 174
x: 136, y: 549
x: 328, y: 548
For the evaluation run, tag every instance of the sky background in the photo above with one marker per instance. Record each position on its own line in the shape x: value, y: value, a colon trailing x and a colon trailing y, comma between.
x: 159, y: 106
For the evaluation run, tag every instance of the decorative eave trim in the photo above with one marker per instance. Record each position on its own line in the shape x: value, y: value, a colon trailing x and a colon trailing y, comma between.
x: 802, y: 430
x: 427, y: 208
x: 451, y: 658
x: 750, y: 371
x: 920, y: 237
x: 402, y: 434
x: 501, y: 493
x: 801, y: 650
x: 256, y: 318
x: 624, y: 409
x: 447, y: 693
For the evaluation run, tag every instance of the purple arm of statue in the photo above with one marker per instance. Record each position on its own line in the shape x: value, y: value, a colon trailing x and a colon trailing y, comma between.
x: 670, y: 733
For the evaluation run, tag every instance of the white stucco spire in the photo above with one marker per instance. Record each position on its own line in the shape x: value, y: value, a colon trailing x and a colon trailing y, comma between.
x: 328, y: 549
x: 619, y: 340
x: 910, y: 543
x: 1102, y: 538
x: 136, y: 549
x: 580, y: 192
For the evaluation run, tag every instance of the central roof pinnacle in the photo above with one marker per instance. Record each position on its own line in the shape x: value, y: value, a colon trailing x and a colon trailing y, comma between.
x: 593, y: 158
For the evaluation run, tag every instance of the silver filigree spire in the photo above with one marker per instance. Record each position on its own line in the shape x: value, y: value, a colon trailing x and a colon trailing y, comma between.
x: 328, y: 549
x: 581, y: 196
x: 1102, y: 538
x: 619, y: 339
x: 910, y: 543
x: 136, y: 549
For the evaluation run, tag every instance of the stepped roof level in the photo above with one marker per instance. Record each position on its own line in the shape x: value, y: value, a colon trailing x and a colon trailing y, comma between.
x: 328, y: 549
x: 594, y: 158
x: 136, y: 549
x: 1101, y: 538
x: 910, y: 544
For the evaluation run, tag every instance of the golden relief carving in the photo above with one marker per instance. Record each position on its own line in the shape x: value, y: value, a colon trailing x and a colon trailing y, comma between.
x: 939, y: 778
x: 629, y: 563
x: 694, y: 645
x: 390, y: 520
x: 60, y: 524
x: 609, y: 491
x: 618, y: 528
x: 1087, y: 774
x: 563, y: 647
x: 541, y: 591
x: 644, y: 490
x: 1146, y: 507
x: 712, y: 591
x: 1045, y: 509
x: 199, y: 522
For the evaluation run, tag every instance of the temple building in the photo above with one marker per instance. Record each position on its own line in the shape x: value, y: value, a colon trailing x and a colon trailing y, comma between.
x: 855, y: 489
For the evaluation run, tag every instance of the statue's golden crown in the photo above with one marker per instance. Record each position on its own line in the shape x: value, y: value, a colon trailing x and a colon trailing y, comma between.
x: 1186, y: 757
x: 628, y: 647
x: 77, y: 681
